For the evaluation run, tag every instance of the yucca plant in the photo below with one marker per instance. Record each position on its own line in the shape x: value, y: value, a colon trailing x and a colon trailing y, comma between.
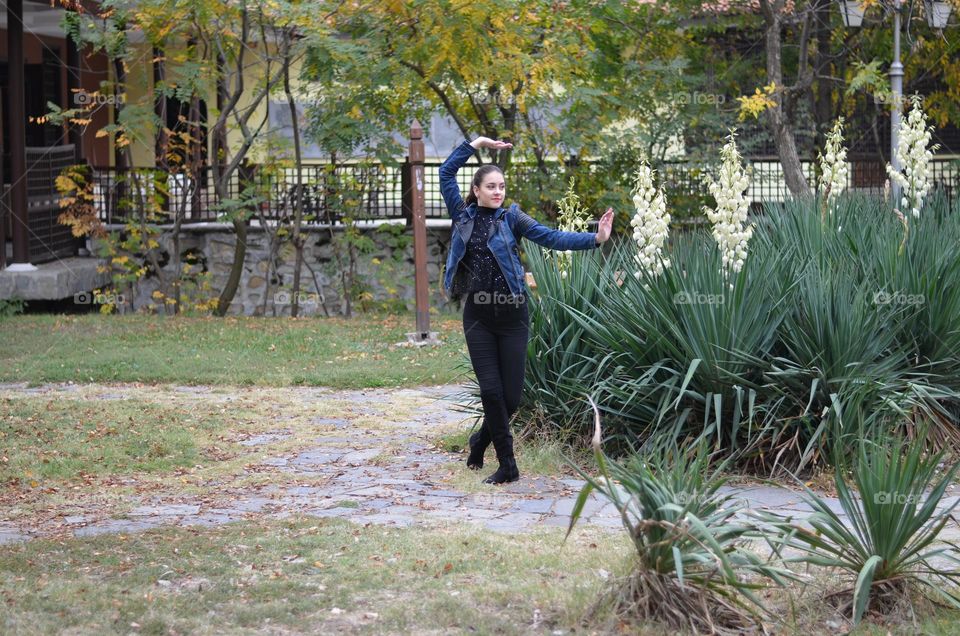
x: 562, y: 361
x: 866, y: 313
x: 851, y: 304
x: 690, y: 351
x: 887, y: 540
x: 693, y: 569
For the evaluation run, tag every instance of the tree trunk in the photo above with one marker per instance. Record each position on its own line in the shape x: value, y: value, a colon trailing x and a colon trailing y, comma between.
x: 297, y: 237
x: 224, y: 165
x: 236, y: 269
x: 779, y: 122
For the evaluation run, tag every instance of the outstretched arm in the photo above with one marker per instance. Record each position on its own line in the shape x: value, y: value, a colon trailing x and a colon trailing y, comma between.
x: 528, y: 227
x: 457, y: 159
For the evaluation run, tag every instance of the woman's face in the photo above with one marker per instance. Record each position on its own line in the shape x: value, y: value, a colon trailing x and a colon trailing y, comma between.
x: 492, y: 190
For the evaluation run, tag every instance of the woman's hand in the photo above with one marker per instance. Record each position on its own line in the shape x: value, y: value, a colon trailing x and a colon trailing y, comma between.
x: 605, y: 226
x: 486, y: 142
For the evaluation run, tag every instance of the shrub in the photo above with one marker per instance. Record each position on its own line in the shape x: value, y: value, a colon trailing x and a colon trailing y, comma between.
x: 693, y: 568
x: 858, y: 305
x: 886, y: 545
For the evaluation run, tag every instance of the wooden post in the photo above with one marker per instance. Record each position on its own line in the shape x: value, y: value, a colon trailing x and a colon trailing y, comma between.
x: 160, y: 140
x: 4, y: 207
x: 18, y: 142
x: 73, y: 85
x: 421, y: 282
x: 196, y: 157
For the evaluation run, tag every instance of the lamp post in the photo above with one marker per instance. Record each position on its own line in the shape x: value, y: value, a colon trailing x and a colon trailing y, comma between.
x: 937, y: 13
x: 896, y: 87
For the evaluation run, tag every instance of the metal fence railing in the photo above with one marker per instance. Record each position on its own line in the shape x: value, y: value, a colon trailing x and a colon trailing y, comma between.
x: 377, y: 191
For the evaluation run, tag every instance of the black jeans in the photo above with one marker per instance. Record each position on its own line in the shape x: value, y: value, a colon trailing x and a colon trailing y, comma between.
x: 496, y: 328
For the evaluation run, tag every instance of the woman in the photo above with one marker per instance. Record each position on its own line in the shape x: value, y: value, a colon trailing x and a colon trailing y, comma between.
x: 484, y: 264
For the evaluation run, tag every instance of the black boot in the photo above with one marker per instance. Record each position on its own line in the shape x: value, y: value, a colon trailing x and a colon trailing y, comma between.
x: 507, y: 472
x: 478, y: 446
x: 495, y: 413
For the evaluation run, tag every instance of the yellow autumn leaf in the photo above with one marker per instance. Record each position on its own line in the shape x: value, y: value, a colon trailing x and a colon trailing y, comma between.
x: 65, y: 183
x: 754, y: 105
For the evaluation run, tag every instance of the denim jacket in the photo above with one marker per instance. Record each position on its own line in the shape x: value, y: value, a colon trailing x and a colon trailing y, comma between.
x: 508, y: 226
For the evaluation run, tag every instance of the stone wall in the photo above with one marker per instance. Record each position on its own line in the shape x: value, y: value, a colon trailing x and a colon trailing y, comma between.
x: 386, y: 271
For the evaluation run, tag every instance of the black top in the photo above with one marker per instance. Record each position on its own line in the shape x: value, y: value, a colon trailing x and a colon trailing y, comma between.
x: 482, y: 272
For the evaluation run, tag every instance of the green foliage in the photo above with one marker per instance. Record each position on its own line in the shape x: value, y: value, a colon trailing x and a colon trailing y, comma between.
x: 349, y: 108
x: 886, y: 541
x: 693, y: 568
x: 487, y: 64
x: 133, y: 254
x: 823, y: 311
x: 654, y: 76
x: 11, y: 307
x: 870, y: 77
x: 397, y: 237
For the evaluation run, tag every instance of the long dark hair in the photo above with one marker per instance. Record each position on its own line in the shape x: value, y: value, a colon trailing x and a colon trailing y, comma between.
x: 478, y: 176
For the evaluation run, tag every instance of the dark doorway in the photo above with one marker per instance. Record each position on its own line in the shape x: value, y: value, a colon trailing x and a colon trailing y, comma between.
x: 41, y: 85
x: 179, y: 121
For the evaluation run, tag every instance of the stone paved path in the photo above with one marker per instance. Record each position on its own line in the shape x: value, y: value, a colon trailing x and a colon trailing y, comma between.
x: 378, y: 463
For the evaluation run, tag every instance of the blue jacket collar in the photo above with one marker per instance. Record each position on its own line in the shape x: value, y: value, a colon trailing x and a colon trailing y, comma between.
x: 471, y: 211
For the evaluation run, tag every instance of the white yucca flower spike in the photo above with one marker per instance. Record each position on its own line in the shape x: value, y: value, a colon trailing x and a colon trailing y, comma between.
x: 730, y: 216
x: 572, y: 218
x: 651, y: 222
x: 833, y: 163
x: 916, y: 159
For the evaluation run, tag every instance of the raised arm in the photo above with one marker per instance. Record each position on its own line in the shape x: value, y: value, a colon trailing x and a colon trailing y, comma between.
x: 448, y: 178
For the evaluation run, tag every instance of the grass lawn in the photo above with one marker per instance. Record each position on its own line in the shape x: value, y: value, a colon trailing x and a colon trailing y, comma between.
x: 96, y: 447
x: 357, y: 352
x: 303, y: 575
x: 45, y: 439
